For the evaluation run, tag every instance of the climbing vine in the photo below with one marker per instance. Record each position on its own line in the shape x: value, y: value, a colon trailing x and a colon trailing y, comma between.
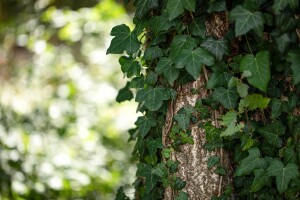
x: 248, y: 51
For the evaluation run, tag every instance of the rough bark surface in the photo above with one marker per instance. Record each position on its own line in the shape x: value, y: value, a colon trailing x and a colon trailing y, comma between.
x: 202, y: 183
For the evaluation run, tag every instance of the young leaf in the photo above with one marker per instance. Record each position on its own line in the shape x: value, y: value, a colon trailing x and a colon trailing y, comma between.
x: 153, y: 97
x: 246, y: 20
x: 124, y: 94
x: 176, y: 7
x: 242, y: 89
x: 283, y: 174
x: 229, y: 120
x: 255, y: 101
x: 217, y: 47
x: 145, y: 123
x: 294, y: 57
x: 212, y: 161
x: 253, y: 161
x: 165, y: 66
x: 272, y: 132
x: 259, y: 66
x: 193, y: 61
x: 143, y: 7
x: 228, y: 98
x: 124, y: 40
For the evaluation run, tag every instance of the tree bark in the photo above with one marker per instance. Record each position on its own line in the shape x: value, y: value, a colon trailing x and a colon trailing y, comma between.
x: 201, y: 183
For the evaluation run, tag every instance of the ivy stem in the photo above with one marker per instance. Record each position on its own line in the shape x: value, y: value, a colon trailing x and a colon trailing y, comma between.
x: 248, y: 45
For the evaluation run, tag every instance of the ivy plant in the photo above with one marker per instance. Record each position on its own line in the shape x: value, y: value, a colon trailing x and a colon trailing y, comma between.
x: 253, y: 67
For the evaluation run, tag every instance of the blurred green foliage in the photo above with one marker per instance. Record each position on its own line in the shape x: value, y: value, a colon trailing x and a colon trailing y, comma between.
x: 61, y: 132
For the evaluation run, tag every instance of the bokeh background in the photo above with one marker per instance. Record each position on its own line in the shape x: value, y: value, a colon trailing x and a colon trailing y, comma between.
x: 62, y: 135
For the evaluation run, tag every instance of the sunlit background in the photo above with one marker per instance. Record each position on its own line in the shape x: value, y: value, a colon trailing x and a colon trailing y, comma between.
x: 62, y: 135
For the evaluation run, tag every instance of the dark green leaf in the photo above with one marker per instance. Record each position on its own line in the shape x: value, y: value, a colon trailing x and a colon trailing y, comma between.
x: 151, y: 78
x: 137, y: 82
x: 176, y: 7
x: 124, y: 94
x: 153, y: 97
x: 143, y: 7
x: 245, y: 20
x: 253, y: 161
x: 283, y: 174
x: 145, y: 123
x: 294, y: 57
x: 129, y: 66
x: 276, y: 107
x: 272, y: 132
x: 183, y: 120
x: 181, y: 42
x: 221, y: 170
x: 216, y: 6
x: 198, y: 28
x: 212, y: 161
x: 153, y: 145
x: 289, y: 155
x: 228, y: 98
x: 146, y: 171
x: 160, y: 23
x: 279, y: 5
x: 153, y: 52
x: 123, y: 41
x: 218, y: 79
x: 165, y: 66
x: 259, y: 66
x: 260, y: 180
x: 179, y: 184
x: 161, y: 170
x: 217, y: 47
x: 182, y: 196
x: 193, y: 61
x: 283, y: 42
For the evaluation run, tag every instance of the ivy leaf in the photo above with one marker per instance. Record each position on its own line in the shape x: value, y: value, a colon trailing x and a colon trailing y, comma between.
x: 246, y: 20
x: 153, y: 52
x: 181, y: 42
x: 183, y: 120
x: 242, y: 89
x: 218, y: 79
x: 283, y: 42
x: 124, y: 94
x: 272, y: 132
x: 255, y: 101
x: 193, y: 60
x: 198, y: 28
x: 153, y: 145
x: 212, y: 161
x: 121, y: 195
x: 294, y: 57
x: 137, y: 82
x: 146, y: 171
x: 176, y: 7
x: 153, y: 97
x: 259, y: 66
x: 228, y: 98
x: 283, y: 174
x: 280, y: 5
x: 129, y: 66
x: 124, y: 40
x: 261, y: 179
x: 179, y: 183
x: 145, y: 123
x: 161, y: 23
x: 221, y: 170
x: 276, y: 107
x: 229, y: 120
x: 182, y: 196
x: 253, y: 161
x: 165, y: 66
x: 217, y: 47
x: 216, y: 6
x: 161, y: 170
x: 143, y: 7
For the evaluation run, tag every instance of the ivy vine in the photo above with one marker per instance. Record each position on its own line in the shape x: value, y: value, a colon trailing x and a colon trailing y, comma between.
x: 253, y: 63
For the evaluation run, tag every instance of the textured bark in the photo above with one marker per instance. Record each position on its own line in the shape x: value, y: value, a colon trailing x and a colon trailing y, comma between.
x: 201, y: 183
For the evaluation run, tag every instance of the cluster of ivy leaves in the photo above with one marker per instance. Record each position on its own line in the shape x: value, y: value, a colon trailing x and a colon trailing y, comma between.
x: 255, y: 76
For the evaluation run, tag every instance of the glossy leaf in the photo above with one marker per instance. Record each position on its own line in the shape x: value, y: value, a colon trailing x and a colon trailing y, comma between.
x: 129, y: 66
x: 124, y: 94
x: 143, y: 7
x: 259, y: 66
x: 124, y: 40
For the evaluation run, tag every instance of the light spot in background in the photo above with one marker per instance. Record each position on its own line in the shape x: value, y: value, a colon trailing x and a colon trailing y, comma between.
x: 19, y: 187
x: 22, y: 40
x: 55, y: 182
x: 40, y: 46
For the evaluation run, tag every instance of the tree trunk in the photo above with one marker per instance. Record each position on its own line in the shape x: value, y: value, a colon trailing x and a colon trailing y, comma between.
x: 201, y: 183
